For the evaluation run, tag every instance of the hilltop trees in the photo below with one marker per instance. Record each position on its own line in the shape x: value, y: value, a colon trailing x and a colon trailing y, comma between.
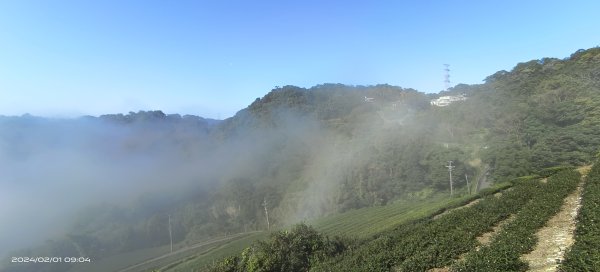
x: 327, y: 149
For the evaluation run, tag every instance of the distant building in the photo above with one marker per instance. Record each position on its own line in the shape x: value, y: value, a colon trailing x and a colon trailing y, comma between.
x: 443, y: 101
x: 369, y: 99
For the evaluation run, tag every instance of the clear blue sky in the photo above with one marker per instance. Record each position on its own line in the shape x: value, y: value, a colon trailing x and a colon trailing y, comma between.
x: 213, y: 58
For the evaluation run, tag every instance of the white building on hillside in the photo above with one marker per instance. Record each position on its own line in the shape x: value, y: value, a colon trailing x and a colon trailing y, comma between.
x: 443, y: 101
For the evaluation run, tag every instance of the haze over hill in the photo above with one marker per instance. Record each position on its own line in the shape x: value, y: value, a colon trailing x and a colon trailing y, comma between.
x: 99, y: 186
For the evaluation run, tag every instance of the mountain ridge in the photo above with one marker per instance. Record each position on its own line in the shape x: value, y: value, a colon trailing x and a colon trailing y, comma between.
x: 323, y: 150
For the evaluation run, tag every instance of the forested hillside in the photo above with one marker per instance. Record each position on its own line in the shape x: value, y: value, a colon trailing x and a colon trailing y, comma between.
x: 542, y: 113
x: 303, y: 153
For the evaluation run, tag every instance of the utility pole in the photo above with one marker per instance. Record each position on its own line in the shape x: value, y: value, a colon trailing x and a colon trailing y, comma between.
x: 265, y: 204
x: 468, y: 188
x: 170, y: 233
x: 450, y: 167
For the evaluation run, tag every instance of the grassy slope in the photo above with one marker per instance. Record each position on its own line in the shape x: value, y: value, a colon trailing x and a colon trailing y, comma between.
x: 214, y: 254
x: 125, y: 260
x: 364, y: 222
x: 360, y: 223
x: 355, y: 223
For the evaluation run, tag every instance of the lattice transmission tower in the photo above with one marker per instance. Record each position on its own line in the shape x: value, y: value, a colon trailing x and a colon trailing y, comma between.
x: 446, y: 77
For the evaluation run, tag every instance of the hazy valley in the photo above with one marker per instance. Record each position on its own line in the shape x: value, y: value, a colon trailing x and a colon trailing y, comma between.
x: 109, y: 185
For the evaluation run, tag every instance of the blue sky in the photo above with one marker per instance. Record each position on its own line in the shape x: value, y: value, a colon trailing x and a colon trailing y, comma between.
x: 213, y: 58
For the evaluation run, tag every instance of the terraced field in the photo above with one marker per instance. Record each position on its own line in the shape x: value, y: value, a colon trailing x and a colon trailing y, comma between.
x: 437, y: 234
x: 360, y: 223
x: 518, y: 237
x: 453, y: 240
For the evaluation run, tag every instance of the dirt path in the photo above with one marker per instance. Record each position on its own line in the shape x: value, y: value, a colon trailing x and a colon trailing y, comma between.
x: 457, y: 208
x: 498, y: 194
x: 554, y: 238
x: 486, y: 238
x: 584, y: 170
x: 483, y: 240
x: 557, y: 236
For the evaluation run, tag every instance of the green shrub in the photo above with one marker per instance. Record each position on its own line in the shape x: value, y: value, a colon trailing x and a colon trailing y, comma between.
x: 287, y: 250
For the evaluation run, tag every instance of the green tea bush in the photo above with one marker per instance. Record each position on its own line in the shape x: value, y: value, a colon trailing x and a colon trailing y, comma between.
x: 518, y: 236
x: 584, y: 255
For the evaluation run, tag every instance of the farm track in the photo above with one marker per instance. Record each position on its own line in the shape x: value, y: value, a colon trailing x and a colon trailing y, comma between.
x: 518, y: 237
x: 483, y: 239
x: 583, y: 254
x: 556, y: 237
x: 457, y: 208
x: 486, y: 238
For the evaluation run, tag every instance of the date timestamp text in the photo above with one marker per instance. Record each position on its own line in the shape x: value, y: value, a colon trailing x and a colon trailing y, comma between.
x: 50, y: 260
